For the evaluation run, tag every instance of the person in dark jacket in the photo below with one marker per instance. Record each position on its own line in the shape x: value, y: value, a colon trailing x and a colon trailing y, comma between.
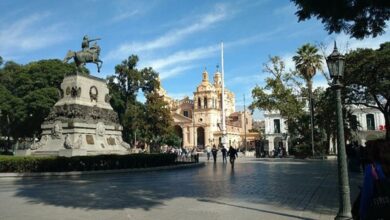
x: 232, y: 155
x: 224, y: 152
x: 214, y: 152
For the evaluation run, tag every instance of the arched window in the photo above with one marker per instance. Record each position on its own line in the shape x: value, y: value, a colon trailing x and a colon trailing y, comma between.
x: 199, y: 103
x: 370, y: 122
x: 205, y: 102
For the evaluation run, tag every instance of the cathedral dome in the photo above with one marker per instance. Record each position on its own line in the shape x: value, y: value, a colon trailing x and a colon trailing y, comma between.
x: 205, y: 85
x: 217, y: 79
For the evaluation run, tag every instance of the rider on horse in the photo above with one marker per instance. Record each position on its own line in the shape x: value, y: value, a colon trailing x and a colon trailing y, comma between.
x: 85, y: 44
x: 87, y: 54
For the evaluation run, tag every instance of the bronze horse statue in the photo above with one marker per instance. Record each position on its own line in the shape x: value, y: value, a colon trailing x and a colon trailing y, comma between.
x: 87, y: 56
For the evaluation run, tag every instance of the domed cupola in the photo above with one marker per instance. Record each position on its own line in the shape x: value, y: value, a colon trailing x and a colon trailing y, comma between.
x: 217, y: 78
x: 205, y: 85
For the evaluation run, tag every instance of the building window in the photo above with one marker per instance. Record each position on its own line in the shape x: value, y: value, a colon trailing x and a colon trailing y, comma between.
x: 199, y: 103
x: 185, y: 113
x: 370, y: 122
x: 276, y: 126
x: 205, y: 102
x: 354, y: 122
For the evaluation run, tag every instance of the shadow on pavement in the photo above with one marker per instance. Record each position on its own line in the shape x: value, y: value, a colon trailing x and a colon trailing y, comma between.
x: 253, y: 209
x: 307, y: 187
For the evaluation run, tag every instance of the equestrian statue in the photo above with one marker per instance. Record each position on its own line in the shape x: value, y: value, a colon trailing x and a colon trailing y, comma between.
x: 86, y: 55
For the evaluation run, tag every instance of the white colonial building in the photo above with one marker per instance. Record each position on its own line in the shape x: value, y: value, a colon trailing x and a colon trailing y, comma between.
x: 275, y: 131
x: 370, y: 125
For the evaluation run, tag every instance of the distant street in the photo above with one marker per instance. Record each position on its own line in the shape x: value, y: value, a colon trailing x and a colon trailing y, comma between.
x: 255, y: 189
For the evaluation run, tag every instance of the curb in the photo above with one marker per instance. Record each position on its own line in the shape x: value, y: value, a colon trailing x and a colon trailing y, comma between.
x: 82, y: 173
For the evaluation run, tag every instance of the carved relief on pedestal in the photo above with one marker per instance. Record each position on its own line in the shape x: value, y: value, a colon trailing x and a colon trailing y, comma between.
x: 56, y: 131
x: 100, y: 129
x: 75, y: 92
x: 68, y: 142
x: 122, y: 143
x: 93, y: 93
x: 78, y: 143
x: 89, y: 139
x: 107, y: 98
x: 111, y: 141
x: 39, y: 144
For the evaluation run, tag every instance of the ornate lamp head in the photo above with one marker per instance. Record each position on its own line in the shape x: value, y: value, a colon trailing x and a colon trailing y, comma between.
x: 336, y: 63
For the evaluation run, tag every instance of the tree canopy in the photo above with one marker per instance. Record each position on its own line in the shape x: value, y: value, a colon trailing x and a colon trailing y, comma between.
x: 27, y: 93
x: 357, y: 18
x: 283, y: 92
x: 148, y: 122
x: 367, y: 79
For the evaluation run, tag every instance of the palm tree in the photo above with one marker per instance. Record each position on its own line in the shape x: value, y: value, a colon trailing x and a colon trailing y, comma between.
x: 307, y: 62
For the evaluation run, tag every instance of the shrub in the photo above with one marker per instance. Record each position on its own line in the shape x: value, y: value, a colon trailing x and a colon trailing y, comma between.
x: 84, y: 163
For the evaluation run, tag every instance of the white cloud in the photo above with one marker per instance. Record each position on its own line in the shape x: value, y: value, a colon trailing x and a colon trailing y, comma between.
x: 255, y: 38
x: 26, y: 35
x: 245, y: 79
x: 288, y: 61
x: 182, y: 57
x: 288, y: 10
x: 164, y: 74
x: 123, y: 15
x: 171, y: 37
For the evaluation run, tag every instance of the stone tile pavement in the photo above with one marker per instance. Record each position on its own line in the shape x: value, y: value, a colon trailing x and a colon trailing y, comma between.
x: 254, y: 189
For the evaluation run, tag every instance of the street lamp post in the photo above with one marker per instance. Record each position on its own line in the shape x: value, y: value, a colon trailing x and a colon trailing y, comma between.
x: 335, y: 62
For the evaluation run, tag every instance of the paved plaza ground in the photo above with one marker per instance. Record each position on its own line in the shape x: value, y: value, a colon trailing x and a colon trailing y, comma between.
x: 255, y: 189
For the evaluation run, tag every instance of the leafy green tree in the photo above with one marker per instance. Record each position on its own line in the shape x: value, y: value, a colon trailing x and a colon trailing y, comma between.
x: 158, y: 120
x: 38, y: 105
x: 326, y: 115
x: 278, y: 94
x: 150, y: 122
x: 367, y: 80
x: 357, y: 18
x: 27, y: 94
x: 12, y: 115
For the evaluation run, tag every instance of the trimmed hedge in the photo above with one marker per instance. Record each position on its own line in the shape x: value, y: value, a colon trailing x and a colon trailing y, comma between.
x: 84, y: 163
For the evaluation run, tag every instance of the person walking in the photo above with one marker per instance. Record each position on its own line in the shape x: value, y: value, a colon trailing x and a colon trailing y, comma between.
x: 208, y: 151
x: 224, y: 152
x: 232, y: 155
x: 214, y: 151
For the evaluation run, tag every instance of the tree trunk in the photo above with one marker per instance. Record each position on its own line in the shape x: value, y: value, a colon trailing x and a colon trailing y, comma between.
x: 309, y: 86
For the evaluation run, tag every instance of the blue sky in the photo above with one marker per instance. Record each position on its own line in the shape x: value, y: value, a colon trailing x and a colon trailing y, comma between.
x: 177, y: 38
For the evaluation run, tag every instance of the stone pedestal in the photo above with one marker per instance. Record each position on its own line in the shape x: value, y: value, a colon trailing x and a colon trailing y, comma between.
x: 82, y: 122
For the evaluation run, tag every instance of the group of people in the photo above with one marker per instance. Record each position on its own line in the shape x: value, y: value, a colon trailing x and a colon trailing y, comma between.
x: 183, y: 154
x: 231, y: 153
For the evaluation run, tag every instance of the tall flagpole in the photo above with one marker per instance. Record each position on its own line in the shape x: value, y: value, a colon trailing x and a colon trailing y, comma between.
x: 245, y: 127
x: 223, y: 139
